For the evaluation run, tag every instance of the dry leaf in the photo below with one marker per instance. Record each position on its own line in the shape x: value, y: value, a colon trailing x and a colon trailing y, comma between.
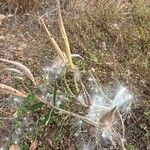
x: 33, y: 145
x: 14, y: 147
x: 23, y: 68
x: 9, y: 90
x: 2, y: 17
x: 107, y: 119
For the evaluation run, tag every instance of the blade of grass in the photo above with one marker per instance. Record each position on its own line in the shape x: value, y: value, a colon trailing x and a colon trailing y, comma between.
x: 55, y: 93
x: 61, y: 127
x: 49, y: 117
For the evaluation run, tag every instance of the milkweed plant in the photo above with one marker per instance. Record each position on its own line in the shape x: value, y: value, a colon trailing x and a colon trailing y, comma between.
x: 106, y: 110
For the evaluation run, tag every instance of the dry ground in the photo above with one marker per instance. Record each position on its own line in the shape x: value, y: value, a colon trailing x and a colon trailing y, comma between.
x: 114, y: 41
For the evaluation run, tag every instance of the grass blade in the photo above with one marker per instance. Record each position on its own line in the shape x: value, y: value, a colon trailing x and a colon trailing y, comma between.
x: 55, y: 94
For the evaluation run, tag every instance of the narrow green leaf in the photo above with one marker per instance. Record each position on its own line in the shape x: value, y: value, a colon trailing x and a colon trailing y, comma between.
x: 55, y: 93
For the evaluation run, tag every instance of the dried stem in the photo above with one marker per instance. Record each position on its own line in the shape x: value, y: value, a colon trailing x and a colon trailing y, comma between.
x: 56, y: 47
x: 68, y: 112
x: 64, y: 35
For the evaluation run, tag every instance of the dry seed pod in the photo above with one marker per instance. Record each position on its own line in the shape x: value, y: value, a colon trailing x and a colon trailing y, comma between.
x: 107, y: 119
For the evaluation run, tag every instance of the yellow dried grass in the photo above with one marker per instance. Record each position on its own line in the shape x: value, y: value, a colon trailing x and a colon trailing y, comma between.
x: 5, y: 89
x: 23, y: 68
x: 67, y: 58
x: 54, y: 43
x: 65, y: 38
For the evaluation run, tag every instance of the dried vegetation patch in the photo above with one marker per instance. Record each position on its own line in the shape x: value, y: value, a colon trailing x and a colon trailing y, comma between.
x: 112, y: 40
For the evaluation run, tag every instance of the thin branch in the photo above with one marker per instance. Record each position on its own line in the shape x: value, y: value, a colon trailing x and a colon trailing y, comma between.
x: 68, y: 112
